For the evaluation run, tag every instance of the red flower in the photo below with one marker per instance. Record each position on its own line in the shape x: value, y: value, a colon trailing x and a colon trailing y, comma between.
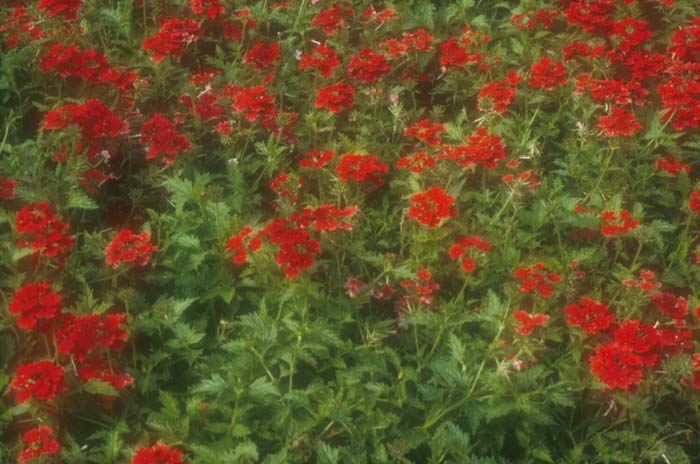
x: 616, y: 366
x: 668, y: 303
x: 36, y: 307
x: 236, y: 245
x: 316, y: 159
x: 39, y: 443
x: 158, y: 454
x: 592, y: 316
x: 263, y: 56
x: 462, y: 247
x: 174, y: 34
x: 254, y: 103
x: 417, y: 162
x: 127, y: 247
x: 547, y: 74
x: 368, y: 66
x: 96, y: 121
x: 42, y: 380
x: 528, y: 322
x: 212, y: 8
x: 46, y: 234
x: 66, y: 8
x: 498, y: 95
x: 100, y: 369
x: 536, y: 277
x: 7, y: 188
x: 334, y: 18
x: 454, y: 53
x: 336, y: 97
x: 354, y: 287
x: 361, y: 168
x: 81, y: 336
x: 694, y: 203
x: 613, y: 225
x: 324, y: 58
x: 432, y: 206
x: 424, y: 130
x: 611, y: 91
x: 484, y: 149
x: 618, y: 122
x: 68, y: 61
x: 671, y: 165
x: 159, y: 135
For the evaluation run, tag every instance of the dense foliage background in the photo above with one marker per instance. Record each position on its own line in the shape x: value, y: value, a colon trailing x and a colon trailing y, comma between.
x: 353, y: 232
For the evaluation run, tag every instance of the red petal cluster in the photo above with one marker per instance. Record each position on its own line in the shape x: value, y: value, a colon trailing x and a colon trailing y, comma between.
x: 613, y: 224
x: 426, y: 131
x: 591, y: 315
x: 41, y: 380
x: 528, y: 322
x: 537, y: 277
x: 127, y: 247
x: 158, y: 454
x: 66, y: 8
x: 324, y: 58
x: 212, y: 8
x: 336, y: 97
x: 334, y: 18
x: 41, y: 230
x: 546, y: 74
x: 498, y: 95
x: 432, y: 206
x: 68, y: 61
x: 161, y: 138
x: 263, y: 56
x: 36, y: 307
x: 618, y: 122
x: 462, y: 247
x: 38, y: 443
x: 172, y: 37
x: 361, y: 168
x: 368, y: 66
x: 7, y: 188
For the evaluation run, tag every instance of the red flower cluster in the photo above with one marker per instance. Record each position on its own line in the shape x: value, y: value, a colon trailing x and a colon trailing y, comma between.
x: 7, y: 188
x: 336, y: 97
x: 172, y: 37
x: 161, y: 138
x: 611, y: 91
x: 461, y: 248
x: 591, y: 315
x: 263, y: 56
x: 694, y: 202
x: 17, y: 21
x: 671, y: 165
x: 100, y: 369
x: 158, y: 454
x: 42, y: 380
x: 456, y: 52
x: 316, y: 159
x: 368, y: 66
x: 484, y: 149
x: 546, y: 74
x: 297, y: 248
x: 324, y: 58
x: 498, y: 95
x: 36, y: 306
x: 128, y: 247
x: 334, y: 18
x: 616, y: 366
x: 614, y: 224
x: 423, y: 287
x: 212, y: 8
x: 618, y: 122
x: 254, y: 103
x: 42, y: 231
x: 68, y: 61
x: 82, y: 336
x: 671, y: 305
x: 432, y: 206
x: 426, y: 131
x: 361, y: 168
x: 66, y: 8
x: 528, y: 322
x: 542, y: 18
x: 418, y: 162
x: 285, y: 186
x: 647, y: 281
x: 38, y: 443
x: 416, y: 41
x: 536, y: 277
x: 96, y: 122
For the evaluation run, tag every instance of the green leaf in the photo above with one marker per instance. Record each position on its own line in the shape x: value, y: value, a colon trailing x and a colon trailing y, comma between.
x: 79, y: 200
x: 100, y: 387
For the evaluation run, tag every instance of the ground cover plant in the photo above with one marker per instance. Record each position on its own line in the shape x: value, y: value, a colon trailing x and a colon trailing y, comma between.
x: 350, y: 232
